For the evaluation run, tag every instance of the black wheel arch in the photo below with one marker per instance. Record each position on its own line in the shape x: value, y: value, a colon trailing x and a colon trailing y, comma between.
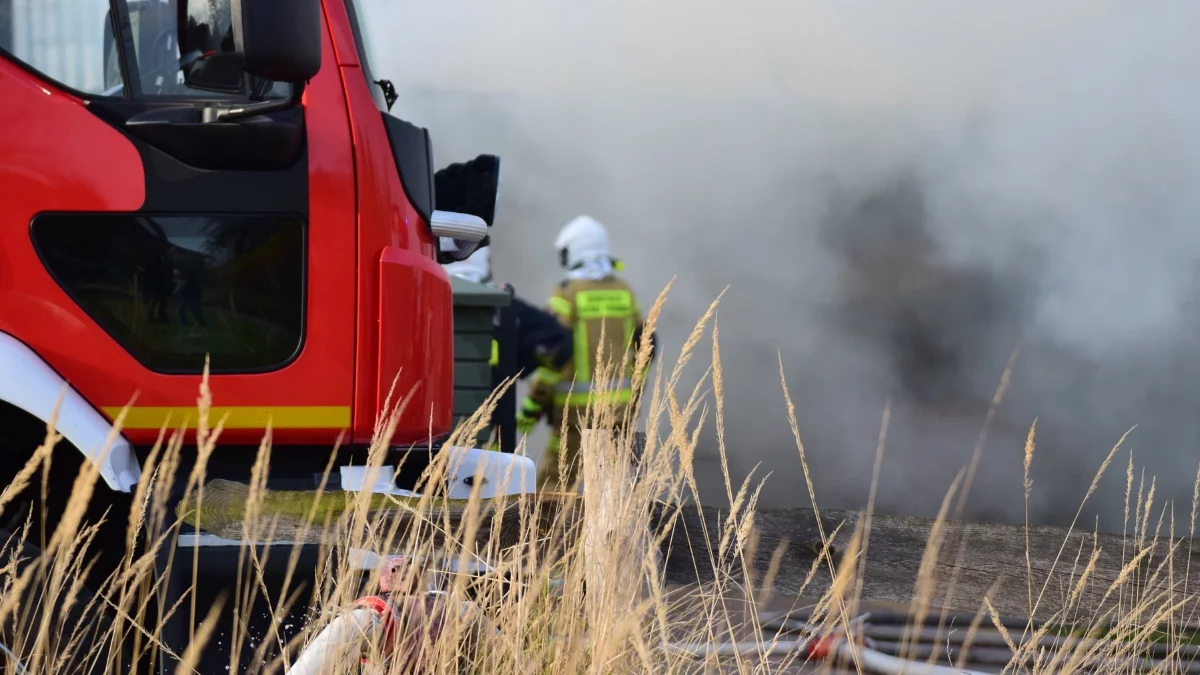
x: 21, y: 434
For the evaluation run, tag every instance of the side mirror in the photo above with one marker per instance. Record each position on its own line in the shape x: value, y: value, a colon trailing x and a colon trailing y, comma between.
x: 469, y: 188
x: 276, y: 40
x: 221, y: 73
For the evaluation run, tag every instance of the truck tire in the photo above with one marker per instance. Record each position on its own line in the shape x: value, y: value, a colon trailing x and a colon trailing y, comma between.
x: 92, y: 654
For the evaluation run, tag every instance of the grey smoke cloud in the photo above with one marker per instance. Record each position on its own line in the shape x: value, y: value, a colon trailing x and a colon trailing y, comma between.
x: 894, y: 192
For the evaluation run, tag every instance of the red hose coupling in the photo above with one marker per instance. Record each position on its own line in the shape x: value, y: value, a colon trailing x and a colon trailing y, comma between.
x: 822, y: 648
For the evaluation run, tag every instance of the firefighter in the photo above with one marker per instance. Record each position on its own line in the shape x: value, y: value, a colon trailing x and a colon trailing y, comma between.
x: 543, y: 346
x: 590, y: 301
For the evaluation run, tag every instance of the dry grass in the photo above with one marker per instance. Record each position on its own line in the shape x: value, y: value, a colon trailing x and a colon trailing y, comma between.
x: 540, y: 620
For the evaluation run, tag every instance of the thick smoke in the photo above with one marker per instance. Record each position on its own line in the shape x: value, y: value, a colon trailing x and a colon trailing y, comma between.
x: 897, y: 194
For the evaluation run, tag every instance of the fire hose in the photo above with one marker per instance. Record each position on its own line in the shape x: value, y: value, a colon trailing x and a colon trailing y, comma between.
x: 13, y: 661
x: 339, y: 641
x: 879, y: 647
x: 834, y: 646
x: 877, y: 662
x: 344, y: 636
x: 822, y: 649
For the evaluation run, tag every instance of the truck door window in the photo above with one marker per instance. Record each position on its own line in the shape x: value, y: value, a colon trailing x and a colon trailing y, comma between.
x: 74, y: 43
x: 63, y: 40
x: 171, y: 289
x: 192, y: 59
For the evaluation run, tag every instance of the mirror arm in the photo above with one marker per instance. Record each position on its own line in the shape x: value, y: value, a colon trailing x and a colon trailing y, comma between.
x: 389, y: 92
x: 214, y: 114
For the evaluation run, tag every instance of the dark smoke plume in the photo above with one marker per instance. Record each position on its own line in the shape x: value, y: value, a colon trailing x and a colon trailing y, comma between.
x: 897, y: 195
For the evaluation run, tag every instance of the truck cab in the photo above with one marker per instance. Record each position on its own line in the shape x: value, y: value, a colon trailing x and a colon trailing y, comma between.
x: 216, y: 186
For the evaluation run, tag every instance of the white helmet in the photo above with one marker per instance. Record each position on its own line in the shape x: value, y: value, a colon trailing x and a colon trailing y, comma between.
x: 581, y: 241
x: 477, y: 267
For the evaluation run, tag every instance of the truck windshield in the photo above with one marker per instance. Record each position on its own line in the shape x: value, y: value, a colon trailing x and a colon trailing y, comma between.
x: 361, y: 24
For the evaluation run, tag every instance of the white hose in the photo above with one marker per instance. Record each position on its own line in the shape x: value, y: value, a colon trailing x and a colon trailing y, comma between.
x: 13, y: 660
x: 341, y: 640
x: 883, y: 664
x: 872, y: 661
x: 700, y: 650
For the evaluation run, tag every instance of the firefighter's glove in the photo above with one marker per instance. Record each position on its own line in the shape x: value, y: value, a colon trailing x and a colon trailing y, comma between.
x: 528, y: 416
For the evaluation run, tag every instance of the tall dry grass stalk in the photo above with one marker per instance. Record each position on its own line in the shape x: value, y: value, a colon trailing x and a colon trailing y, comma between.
x: 576, y: 584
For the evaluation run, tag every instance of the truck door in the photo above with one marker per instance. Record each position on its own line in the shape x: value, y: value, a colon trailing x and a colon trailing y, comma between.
x: 147, y: 229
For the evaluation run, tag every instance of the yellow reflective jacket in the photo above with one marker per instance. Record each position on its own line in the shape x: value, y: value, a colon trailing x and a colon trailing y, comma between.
x: 590, y: 309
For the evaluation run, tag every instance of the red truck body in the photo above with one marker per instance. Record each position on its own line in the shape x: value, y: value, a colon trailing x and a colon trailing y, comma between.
x: 376, y: 310
x: 220, y: 182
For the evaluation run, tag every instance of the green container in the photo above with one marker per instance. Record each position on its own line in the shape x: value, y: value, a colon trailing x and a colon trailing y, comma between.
x: 474, y: 307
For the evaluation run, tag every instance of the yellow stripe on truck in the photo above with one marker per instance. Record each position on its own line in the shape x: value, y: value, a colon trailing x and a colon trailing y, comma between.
x: 238, y: 417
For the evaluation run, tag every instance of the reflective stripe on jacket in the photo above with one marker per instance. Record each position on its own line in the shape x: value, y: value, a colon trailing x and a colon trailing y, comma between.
x: 603, y: 317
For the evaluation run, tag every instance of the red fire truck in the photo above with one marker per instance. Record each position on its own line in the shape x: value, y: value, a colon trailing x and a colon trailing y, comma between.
x: 186, y: 180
